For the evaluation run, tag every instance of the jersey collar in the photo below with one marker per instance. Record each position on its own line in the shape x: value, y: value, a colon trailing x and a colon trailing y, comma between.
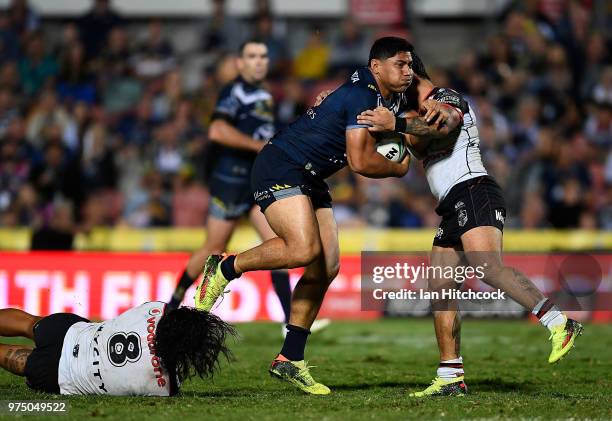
x: 368, y: 77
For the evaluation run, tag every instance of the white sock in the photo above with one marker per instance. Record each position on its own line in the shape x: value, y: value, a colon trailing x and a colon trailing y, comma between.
x: 451, y: 369
x: 549, y: 315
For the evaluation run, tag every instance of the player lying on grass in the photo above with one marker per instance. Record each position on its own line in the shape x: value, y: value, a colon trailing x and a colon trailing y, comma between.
x: 473, y: 213
x: 143, y: 352
x: 288, y: 183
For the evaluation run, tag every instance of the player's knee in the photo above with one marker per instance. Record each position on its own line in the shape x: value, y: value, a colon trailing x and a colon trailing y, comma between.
x: 304, y: 254
x: 332, y: 271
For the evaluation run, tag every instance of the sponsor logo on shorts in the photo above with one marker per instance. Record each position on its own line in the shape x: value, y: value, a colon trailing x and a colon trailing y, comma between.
x: 499, y: 215
x: 462, y: 218
x: 261, y: 195
x: 278, y: 187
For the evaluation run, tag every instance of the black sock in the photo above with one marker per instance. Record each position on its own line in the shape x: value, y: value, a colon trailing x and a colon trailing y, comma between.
x: 179, y: 292
x: 295, y: 343
x: 280, y: 282
x: 227, y: 268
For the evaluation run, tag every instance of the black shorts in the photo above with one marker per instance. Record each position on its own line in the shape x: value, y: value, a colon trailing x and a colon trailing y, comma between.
x: 275, y: 176
x: 43, y: 363
x: 229, y: 200
x: 477, y: 202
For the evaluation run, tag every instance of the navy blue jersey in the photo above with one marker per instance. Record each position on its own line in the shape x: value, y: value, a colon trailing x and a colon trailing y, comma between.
x: 317, y: 140
x: 250, y: 109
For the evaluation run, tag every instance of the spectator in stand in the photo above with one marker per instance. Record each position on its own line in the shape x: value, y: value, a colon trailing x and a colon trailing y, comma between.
x: 155, y: 55
x: 312, y: 61
x: 96, y: 26
x: 277, y: 48
x: 293, y: 104
x: 348, y: 49
x: 75, y: 81
x: 23, y: 18
x: 58, y: 234
x: 36, y: 68
x: 9, y: 39
x: 223, y: 33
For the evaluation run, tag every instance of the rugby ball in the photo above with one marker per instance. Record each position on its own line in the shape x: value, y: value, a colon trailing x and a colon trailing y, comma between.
x: 392, y: 146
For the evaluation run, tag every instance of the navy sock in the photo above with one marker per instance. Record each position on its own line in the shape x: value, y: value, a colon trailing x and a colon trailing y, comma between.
x: 295, y: 343
x: 280, y: 282
x: 227, y: 268
x: 179, y: 292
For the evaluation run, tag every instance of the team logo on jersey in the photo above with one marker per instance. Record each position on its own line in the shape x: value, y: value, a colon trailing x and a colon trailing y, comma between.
x: 264, y: 110
x: 462, y: 218
x: 75, y: 351
x: 459, y: 205
x: 355, y: 77
x: 439, y: 233
x: 499, y: 215
x: 124, y: 347
x: 372, y: 87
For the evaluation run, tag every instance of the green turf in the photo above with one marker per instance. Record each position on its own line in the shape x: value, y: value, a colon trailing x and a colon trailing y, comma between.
x: 371, y: 366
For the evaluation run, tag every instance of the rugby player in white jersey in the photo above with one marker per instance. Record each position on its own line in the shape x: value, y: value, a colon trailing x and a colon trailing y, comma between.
x: 441, y: 130
x: 146, y: 351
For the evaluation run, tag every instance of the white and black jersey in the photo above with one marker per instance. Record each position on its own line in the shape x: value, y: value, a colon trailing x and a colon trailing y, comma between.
x: 116, y: 357
x: 467, y: 196
x: 456, y: 158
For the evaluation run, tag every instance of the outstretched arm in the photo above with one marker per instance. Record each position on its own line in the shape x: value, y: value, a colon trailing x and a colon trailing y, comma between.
x: 15, y: 322
x: 382, y: 119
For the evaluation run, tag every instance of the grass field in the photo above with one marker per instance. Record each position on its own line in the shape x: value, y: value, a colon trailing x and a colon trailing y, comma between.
x: 371, y: 366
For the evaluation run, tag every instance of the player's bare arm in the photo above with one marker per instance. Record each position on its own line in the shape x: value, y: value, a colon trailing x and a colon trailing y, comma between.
x: 224, y: 133
x: 363, y: 158
x: 14, y: 357
x: 381, y: 119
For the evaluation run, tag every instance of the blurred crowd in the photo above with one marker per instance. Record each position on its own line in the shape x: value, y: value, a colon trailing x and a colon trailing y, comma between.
x: 98, y: 127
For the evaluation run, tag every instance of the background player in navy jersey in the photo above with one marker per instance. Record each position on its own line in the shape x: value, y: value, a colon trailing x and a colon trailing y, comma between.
x: 288, y: 184
x: 241, y: 124
x: 146, y: 351
x: 473, y: 212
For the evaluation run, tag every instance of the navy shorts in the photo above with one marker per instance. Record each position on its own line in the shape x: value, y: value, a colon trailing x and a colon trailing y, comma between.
x: 229, y: 200
x: 43, y: 363
x: 477, y: 202
x: 275, y: 176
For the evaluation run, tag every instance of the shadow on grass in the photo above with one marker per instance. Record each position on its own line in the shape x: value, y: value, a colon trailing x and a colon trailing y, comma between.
x: 229, y: 393
x: 484, y: 385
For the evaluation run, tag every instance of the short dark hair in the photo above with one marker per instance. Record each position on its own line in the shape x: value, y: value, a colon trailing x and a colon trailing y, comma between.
x: 249, y: 41
x: 386, y: 47
x: 418, y: 67
x: 189, y: 342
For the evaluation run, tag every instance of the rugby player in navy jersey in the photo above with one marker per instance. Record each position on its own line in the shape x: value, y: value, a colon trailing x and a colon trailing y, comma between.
x: 473, y: 213
x: 242, y: 122
x: 288, y: 183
